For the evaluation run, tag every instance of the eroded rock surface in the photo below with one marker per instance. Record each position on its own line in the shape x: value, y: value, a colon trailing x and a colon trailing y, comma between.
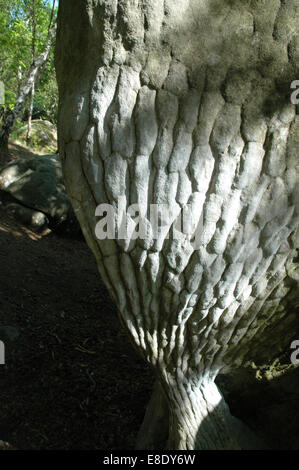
x: 189, y: 103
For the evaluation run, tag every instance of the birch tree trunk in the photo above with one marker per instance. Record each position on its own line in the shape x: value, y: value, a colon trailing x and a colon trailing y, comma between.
x: 187, y: 103
x: 29, y: 121
x: 32, y: 91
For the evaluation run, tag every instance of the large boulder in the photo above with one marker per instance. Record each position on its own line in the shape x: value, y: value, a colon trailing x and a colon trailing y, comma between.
x: 43, y: 135
x: 33, y: 189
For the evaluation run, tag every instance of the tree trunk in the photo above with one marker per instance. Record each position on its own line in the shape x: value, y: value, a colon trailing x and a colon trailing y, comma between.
x: 187, y: 105
x: 28, y: 136
x: 20, y: 76
x: 32, y: 91
x: 11, y: 116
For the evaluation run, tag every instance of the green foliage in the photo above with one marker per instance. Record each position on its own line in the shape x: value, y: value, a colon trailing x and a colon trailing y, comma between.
x: 24, y: 28
x: 43, y: 136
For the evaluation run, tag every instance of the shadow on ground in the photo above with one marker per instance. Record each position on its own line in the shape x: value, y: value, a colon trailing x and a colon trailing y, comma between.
x: 71, y: 379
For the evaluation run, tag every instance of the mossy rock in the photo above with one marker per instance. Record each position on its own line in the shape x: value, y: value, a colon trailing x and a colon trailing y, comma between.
x: 43, y: 135
x: 32, y: 187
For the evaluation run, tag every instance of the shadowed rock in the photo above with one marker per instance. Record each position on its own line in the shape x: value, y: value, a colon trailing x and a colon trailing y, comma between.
x: 32, y: 189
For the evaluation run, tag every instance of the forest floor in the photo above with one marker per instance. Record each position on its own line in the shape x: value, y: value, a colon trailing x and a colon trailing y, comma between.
x: 71, y: 379
x: 15, y: 150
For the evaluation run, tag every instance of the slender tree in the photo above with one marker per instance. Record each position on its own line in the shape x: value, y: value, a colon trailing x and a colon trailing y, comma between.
x: 33, y: 47
x: 32, y: 91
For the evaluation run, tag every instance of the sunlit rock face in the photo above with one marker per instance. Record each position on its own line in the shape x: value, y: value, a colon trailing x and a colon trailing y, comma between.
x: 188, y: 105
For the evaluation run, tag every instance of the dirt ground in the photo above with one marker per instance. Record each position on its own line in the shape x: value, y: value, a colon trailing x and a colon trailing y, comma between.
x: 71, y: 379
